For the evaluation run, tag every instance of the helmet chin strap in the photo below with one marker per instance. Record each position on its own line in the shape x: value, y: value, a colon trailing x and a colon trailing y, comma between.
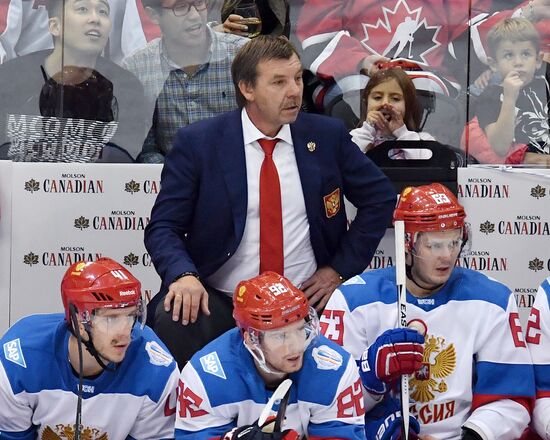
x: 89, y: 344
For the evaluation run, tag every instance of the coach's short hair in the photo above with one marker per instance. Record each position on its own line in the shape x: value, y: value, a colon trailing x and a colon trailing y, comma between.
x: 262, y: 48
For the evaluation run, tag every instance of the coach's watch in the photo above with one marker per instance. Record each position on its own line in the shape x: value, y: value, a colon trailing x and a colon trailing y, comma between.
x: 186, y: 274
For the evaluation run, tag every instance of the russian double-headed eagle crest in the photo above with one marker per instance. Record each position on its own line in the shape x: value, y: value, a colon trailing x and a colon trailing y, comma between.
x: 62, y: 432
x: 439, y: 363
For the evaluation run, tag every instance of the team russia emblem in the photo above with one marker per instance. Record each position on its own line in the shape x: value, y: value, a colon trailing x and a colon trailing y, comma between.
x: 332, y: 203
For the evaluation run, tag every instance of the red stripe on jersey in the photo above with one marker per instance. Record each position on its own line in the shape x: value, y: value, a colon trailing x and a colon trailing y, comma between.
x: 483, y: 399
x: 541, y: 394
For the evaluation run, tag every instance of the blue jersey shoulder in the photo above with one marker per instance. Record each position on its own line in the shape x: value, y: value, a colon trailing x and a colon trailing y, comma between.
x: 370, y: 287
x: 325, y: 362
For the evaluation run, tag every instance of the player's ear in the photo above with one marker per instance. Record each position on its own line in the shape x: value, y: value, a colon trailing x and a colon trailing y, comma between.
x: 54, y: 26
x: 247, y: 90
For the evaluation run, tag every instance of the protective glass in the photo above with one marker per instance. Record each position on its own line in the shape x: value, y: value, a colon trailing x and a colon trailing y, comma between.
x: 125, y: 319
x: 429, y: 244
x: 301, y: 336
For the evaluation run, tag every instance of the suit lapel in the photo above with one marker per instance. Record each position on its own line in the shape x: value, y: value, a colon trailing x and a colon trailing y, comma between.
x: 231, y: 157
x: 308, y: 166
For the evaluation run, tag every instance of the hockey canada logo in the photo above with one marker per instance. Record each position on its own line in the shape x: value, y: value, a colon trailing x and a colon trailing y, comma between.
x: 402, y: 33
x: 67, y: 432
x: 439, y: 362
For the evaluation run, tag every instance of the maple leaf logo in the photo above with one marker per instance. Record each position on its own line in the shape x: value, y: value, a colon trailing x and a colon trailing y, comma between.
x: 401, y: 33
x: 32, y: 186
x: 132, y: 187
x: 131, y: 259
x: 81, y: 223
x: 536, y: 265
x: 487, y: 227
x: 30, y: 259
x: 538, y: 192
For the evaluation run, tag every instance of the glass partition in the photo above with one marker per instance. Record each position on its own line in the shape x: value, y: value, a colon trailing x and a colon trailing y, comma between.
x: 113, y: 80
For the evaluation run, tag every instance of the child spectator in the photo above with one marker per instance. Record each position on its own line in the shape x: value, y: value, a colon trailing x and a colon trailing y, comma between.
x: 516, y: 110
x: 392, y: 113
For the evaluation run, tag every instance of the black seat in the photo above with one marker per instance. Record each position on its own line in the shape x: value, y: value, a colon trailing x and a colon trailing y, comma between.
x: 441, y: 167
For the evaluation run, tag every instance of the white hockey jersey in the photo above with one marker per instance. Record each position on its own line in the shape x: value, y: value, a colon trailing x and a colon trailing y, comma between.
x: 38, y: 388
x: 537, y: 336
x: 220, y: 389
x: 24, y: 28
x: 477, y: 368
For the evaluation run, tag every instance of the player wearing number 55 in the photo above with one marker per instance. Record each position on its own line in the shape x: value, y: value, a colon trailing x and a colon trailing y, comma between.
x: 226, y: 390
x: 471, y: 375
x: 94, y: 372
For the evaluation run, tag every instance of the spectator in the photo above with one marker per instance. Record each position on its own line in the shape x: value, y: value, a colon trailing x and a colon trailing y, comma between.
x: 226, y: 384
x: 392, y: 113
x: 515, y: 111
x: 64, y: 105
x: 186, y: 73
x: 26, y: 29
x: 215, y: 223
x: 472, y: 376
x: 121, y: 384
x: 344, y: 41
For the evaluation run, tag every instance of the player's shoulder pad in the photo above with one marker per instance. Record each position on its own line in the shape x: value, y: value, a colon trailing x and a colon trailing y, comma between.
x: 227, y: 370
x: 325, y: 362
x: 369, y: 287
x: 31, y: 340
x: 149, y: 352
x: 470, y: 285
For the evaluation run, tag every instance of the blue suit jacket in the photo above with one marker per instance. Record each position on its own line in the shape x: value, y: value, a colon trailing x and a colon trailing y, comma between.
x: 198, y: 218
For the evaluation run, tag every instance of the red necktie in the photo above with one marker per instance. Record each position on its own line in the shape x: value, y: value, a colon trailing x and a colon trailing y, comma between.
x: 271, y: 216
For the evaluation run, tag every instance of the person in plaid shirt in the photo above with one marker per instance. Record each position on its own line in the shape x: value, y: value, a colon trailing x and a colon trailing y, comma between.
x: 186, y: 73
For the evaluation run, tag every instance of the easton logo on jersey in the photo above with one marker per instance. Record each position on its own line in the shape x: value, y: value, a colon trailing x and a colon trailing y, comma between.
x: 13, y: 352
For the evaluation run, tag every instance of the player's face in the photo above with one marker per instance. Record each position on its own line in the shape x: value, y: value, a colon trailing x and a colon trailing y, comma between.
x: 388, y: 93
x: 186, y: 26
x: 276, y: 97
x: 517, y: 56
x: 435, y: 255
x: 284, y: 348
x: 85, y: 26
x: 111, y: 329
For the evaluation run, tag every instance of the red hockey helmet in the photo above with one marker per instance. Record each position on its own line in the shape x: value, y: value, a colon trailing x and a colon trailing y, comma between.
x: 99, y: 284
x: 429, y: 208
x: 268, y: 301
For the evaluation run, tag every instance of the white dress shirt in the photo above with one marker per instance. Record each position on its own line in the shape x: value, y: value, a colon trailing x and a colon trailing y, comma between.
x: 299, y: 260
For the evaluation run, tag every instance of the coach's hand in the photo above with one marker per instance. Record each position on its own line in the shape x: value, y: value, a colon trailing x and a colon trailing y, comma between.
x: 395, y: 352
x: 187, y: 294
x: 319, y: 287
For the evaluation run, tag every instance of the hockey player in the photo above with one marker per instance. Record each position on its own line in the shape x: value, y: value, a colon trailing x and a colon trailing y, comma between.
x: 225, y: 386
x: 128, y: 380
x: 24, y: 29
x: 537, y: 336
x: 471, y: 374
